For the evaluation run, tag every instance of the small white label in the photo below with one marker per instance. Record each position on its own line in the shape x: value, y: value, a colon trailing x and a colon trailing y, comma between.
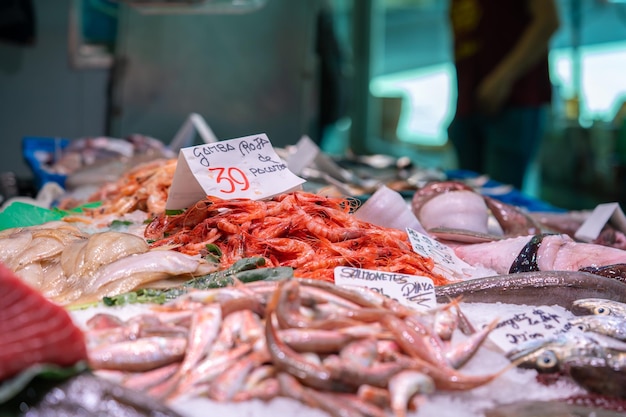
x: 530, y: 323
x: 446, y: 261
x: 245, y: 167
x: 601, y: 215
x: 306, y: 151
x: 410, y: 290
x: 187, y: 132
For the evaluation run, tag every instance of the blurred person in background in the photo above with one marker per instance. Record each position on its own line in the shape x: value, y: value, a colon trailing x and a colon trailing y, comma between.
x: 503, y: 84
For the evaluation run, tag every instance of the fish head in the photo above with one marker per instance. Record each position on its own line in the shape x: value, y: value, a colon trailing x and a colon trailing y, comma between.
x: 599, y: 324
x: 548, y: 355
x: 545, y: 361
x: 541, y: 355
x: 598, y: 307
x: 585, y: 323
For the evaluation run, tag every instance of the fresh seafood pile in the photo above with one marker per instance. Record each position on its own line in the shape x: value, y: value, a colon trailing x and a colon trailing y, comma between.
x: 144, y: 187
x: 84, y: 152
x: 311, y: 233
x: 68, y: 265
x: 594, y: 355
x: 345, y: 350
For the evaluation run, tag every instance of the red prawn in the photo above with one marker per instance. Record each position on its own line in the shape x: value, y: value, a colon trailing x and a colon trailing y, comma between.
x: 321, y: 229
x: 292, y: 252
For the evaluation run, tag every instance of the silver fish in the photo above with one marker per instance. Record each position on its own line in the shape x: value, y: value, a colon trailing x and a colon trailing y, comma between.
x: 535, y: 288
x: 549, y: 355
x: 612, y: 326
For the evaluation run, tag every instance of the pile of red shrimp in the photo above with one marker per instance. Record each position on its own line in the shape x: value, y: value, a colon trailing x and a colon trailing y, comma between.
x: 309, y: 232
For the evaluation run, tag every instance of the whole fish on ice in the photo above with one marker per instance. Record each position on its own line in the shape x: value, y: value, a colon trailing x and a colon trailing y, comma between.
x: 564, y: 288
x: 591, y: 362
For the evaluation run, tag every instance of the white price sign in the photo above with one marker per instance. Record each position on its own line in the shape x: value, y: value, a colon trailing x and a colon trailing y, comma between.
x: 446, y: 261
x: 245, y: 167
x: 530, y: 323
x: 410, y: 290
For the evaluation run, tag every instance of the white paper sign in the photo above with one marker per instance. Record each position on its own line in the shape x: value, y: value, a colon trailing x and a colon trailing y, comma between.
x: 187, y: 132
x: 601, y: 215
x: 306, y: 151
x: 530, y: 323
x: 245, y: 167
x: 410, y: 290
x: 446, y: 261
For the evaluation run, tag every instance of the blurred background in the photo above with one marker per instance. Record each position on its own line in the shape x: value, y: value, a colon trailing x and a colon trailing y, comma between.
x: 358, y: 76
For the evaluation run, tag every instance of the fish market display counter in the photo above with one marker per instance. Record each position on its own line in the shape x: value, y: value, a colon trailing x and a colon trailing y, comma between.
x: 300, y: 302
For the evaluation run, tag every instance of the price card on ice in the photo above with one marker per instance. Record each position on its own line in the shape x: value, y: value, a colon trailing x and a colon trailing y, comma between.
x: 446, y: 261
x: 411, y: 290
x: 246, y: 167
x: 522, y: 324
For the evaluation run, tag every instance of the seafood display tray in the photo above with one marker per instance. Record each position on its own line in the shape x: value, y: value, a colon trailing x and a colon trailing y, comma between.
x: 515, y: 385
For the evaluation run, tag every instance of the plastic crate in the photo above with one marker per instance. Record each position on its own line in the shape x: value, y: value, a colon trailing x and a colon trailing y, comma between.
x: 40, y: 153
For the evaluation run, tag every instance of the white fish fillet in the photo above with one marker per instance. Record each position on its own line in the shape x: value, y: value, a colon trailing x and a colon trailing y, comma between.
x: 100, y: 249
x: 131, y: 272
x: 14, y: 244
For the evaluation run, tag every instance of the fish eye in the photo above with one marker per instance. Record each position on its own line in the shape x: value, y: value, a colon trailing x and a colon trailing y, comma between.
x: 547, y: 360
x: 601, y: 311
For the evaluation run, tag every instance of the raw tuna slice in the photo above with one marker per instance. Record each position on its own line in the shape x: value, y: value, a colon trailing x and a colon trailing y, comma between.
x: 33, y: 330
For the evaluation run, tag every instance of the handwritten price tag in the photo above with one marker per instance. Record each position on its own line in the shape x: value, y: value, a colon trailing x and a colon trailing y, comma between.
x: 530, y: 323
x: 446, y: 261
x: 411, y: 290
x: 245, y: 167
